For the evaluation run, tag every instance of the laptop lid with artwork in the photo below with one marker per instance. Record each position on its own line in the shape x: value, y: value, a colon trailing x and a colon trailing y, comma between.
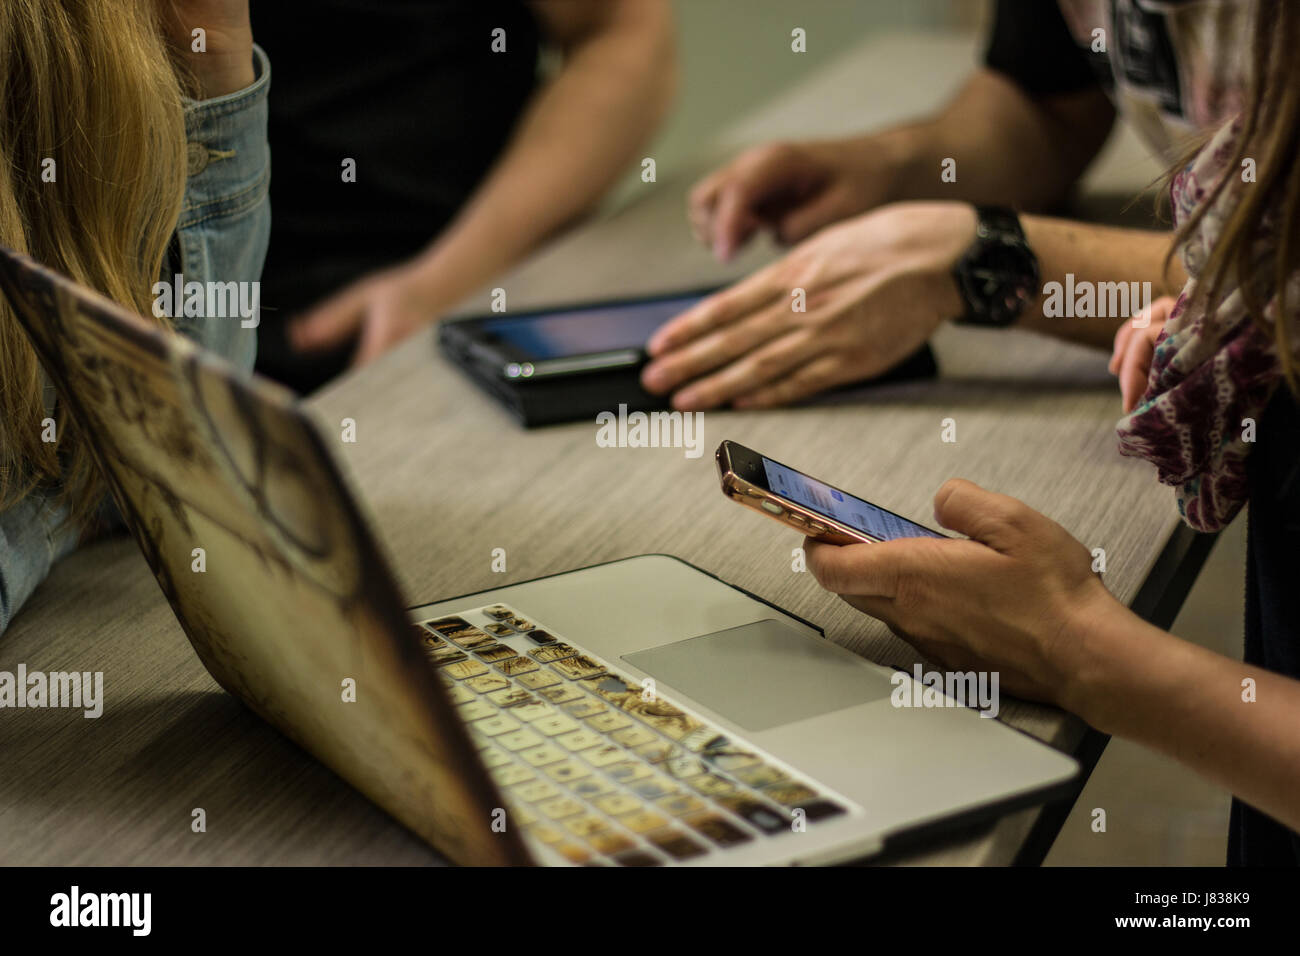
x: 291, y: 607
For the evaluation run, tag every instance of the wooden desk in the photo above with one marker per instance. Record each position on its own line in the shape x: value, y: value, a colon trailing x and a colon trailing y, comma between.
x: 448, y: 477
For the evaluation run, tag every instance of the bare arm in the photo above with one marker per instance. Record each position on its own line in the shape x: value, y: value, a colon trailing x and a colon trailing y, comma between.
x: 1142, y: 683
x: 1010, y: 149
x: 576, y: 136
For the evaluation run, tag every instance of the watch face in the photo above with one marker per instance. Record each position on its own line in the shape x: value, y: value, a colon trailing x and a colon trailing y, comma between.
x: 999, y: 278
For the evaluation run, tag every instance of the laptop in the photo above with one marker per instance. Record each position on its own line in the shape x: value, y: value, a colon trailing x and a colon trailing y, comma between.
x: 636, y: 713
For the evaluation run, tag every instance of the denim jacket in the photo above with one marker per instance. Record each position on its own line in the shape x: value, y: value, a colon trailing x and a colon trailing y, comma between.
x: 222, y: 235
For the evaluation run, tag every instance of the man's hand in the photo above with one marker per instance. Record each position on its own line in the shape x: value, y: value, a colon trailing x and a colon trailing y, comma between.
x: 875, y: 289
x: 791, y: 188
x: 226, y: 62
x: 1135, y: 345
x: 377, y: 311
x: 1012, y: 599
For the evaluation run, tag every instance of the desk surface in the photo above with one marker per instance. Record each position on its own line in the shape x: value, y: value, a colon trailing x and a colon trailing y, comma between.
x: 447, y: 477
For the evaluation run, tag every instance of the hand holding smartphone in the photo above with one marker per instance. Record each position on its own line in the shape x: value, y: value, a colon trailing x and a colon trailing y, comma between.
x: 806, y: 504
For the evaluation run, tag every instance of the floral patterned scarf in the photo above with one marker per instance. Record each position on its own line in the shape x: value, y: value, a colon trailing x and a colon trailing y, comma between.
x: 1212, y: 374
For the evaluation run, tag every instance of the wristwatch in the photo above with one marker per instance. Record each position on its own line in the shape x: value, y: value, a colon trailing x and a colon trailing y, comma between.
x: 998, y: 275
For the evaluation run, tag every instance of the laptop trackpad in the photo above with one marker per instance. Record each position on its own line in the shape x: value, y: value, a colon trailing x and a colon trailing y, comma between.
x: 764, y: 675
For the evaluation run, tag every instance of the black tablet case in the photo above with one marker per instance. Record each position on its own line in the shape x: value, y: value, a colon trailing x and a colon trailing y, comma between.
x: 583, y: 395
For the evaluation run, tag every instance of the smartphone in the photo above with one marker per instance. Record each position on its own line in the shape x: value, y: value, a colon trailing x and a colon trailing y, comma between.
x: 805, y: 504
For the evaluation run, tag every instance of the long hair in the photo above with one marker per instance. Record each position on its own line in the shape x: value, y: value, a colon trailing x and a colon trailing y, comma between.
x: 92, y: 178
x: 1266, y: 214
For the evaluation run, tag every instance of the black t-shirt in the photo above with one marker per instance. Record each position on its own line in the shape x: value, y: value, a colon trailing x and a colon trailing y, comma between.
x: 1031, y: 44
x: 414, y: 93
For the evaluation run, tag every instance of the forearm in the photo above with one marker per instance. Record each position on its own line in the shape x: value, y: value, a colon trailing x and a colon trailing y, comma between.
x: 1093, y: 278
x: 576, y: 137
x: 1008, y: 148
x: 1146, y: 685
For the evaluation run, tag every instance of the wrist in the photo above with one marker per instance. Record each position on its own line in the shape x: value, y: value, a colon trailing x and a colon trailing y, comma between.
x: 219, y: 74
x: 1099, y: 638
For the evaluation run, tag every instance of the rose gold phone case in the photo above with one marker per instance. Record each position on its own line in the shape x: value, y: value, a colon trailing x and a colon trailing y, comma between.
x: 789, y: 513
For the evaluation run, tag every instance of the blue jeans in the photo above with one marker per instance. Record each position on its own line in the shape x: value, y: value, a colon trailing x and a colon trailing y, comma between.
x: 221, y: 236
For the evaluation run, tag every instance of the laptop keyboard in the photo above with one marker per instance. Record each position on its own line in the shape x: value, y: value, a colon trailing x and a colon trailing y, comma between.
x: 596, y: 767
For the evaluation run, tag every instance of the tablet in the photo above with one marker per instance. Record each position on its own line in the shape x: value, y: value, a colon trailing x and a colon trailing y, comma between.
x: 567, y: 363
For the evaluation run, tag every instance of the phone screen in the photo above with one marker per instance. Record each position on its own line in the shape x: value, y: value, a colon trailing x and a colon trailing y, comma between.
x: 842, y: 506
x: 587, y: 331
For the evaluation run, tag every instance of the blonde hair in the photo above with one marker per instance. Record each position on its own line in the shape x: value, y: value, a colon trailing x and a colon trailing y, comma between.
x: 1268, y: 209
x: 90, y: 85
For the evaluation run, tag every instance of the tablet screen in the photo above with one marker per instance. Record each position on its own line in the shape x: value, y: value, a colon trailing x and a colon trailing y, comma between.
x: 585, y: 331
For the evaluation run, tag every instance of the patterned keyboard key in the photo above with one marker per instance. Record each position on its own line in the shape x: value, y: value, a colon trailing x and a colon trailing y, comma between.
x: 761, y: 776
x: 758, y: 815
x: 553, y: 652
x: 488, y: 683
x: 541, y: 755
x: 604, y: 755
x: 579, y: 740
x: 681, y: 765
x: 546, y: 833
x: 608, y: 722
x: 517, y: 665
x: 426, y: 637
x: 591, y: 787
x: 717, y: 829
x: 476, y: 710
x: 445, y: 656
x: 676, y: 844
x: 464, y: 668
x: 499, y: 630
x: 495, y: 725
x: 711, y: 785
x: 512, y: 774
x: 608, y: 842
x: 633, y: 736
x: 642, y: 821
x: 582, y: 709
x: 541, y: 637
x: 493, y: 758
x: 533, y: 710
x: 448, y: 624
x: 578, y: 668
x: 585, y: 825
x: 537, y: 790
x: 566, y: 771
x: 519, y: 624
x: 459, y: 695
x: 540, y: 679
x: 790, y: 794
x: 555, y: 725
x: 472, y: 642
x: 627, y: 772
x: 556, y: 695
x: 495, y: 652
x: 679, y: 805
x: 652, y: 789
x: 560, y: 807
x: 616, y: 804
x: 657, y: 751
x: 498, y: 612
x: 511, y: 697
x: 519, y: 739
